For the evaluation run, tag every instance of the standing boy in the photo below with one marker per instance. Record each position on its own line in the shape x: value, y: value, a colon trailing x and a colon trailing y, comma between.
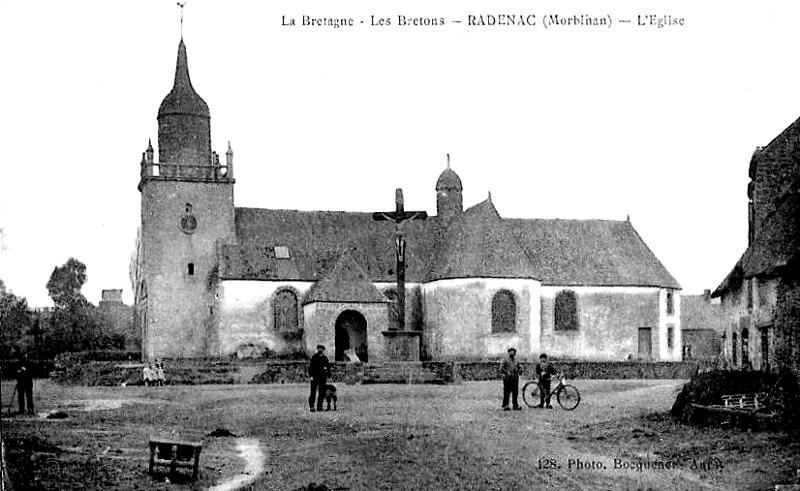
x: 510, y: 369
x: 318, y: 369
x: 544, y: 371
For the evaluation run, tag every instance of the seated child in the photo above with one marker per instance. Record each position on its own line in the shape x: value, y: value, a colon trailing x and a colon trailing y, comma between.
x: 147, y: 375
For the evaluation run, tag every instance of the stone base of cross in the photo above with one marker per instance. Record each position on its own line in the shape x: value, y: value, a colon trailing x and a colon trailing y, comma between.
x: 402, y: 345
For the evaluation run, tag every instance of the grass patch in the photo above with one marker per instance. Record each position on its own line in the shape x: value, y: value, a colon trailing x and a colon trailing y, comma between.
x: 383, y: 437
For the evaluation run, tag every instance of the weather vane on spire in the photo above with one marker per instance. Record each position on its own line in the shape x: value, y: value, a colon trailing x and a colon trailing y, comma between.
x: 181, y: 5
x: 448, y: 160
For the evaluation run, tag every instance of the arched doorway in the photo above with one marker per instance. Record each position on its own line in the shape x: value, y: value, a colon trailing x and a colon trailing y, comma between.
x: 351, y: 333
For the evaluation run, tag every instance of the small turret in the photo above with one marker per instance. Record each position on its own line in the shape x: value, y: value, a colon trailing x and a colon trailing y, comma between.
x: 449, y: 200
x: 149, y: 152
x: 229, y: 161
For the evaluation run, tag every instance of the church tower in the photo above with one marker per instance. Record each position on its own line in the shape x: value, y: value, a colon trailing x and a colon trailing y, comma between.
x: 187, y: 210
x: 449, y: 202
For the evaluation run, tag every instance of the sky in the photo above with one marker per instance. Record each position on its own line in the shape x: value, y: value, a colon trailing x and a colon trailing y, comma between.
x: 572, y: 122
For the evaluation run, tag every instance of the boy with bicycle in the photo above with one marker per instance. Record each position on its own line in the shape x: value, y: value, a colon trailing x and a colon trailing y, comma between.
x: 544, y: 372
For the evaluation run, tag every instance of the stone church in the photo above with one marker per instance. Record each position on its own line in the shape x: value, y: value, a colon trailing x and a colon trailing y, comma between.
x: 211, y: 279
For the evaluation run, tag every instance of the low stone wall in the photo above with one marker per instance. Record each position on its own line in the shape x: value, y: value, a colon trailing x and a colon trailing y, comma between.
x: 490, y: 370
x: 290, y: 372
x: 178, y: 372
x: 200, y: 372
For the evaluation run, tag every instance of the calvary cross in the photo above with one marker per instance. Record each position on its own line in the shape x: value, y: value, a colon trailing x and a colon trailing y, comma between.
x: 400, y: 217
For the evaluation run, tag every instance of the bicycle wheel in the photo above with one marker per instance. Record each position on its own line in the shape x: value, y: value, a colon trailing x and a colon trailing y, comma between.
x: 568, y: 397
x: 530, y: 394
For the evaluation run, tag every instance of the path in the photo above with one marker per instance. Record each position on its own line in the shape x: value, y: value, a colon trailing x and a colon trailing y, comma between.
x: 249, y: 450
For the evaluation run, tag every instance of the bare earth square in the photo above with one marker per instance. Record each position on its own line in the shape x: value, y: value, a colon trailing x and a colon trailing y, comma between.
x: 386, y: 437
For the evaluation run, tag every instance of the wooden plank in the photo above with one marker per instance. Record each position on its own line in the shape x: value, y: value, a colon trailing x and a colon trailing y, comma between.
x: 183, y: 454
x: 748, y: 401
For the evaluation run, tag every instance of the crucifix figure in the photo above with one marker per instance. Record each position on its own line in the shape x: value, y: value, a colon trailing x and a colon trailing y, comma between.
x: 400, y: 216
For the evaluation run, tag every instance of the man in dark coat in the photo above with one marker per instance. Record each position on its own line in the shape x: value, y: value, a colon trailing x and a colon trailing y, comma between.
x: 318, y: 369
x: 24, y: 387
x: 510, y: 369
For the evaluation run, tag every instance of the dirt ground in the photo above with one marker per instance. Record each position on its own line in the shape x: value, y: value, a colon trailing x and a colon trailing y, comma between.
x: 386, y: 437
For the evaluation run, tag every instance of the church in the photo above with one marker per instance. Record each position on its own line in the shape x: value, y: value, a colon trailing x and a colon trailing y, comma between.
x: 214, y: 280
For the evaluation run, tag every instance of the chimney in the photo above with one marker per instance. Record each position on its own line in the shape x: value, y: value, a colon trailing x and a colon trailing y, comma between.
x: 112, y: 296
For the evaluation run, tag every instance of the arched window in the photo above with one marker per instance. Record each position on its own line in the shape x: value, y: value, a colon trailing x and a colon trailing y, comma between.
x: 566, y: 311
x: 504, y: 312
x: 285, y: 309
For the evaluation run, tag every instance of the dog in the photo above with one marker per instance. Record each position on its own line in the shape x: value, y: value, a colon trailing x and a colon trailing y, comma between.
x: 330, y: 396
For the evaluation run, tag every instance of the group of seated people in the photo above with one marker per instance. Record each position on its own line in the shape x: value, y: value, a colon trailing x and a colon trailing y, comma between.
x: 153, y: 374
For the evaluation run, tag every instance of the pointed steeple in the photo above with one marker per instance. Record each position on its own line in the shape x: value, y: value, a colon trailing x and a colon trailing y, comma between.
x: 184, y: 125
x: 183, y: 99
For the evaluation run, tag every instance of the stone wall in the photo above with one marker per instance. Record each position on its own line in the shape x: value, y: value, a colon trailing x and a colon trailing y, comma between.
x: 321, y: 317
x: 770, y: 173
x: 490, y: 370
x: 202, y: 372
x: 117, y: 318
x: 787, y: 342
x: 459, y: 318
x: 702, y: 344
x: 608, y: 326
x: 181, y: 305
x: 246, y: 315
x: 753, y: 315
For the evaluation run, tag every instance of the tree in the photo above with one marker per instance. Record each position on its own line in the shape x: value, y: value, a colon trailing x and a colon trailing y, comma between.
x: 73, y: 324
x: 66, y: 281
x: 16, y: 324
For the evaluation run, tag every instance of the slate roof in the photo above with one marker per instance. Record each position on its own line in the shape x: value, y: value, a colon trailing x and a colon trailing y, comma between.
x: 347, y: 282
x: 777, y: 243
x: 775, y: 246
x: 700, y: 313
x: 783, y: 148
x: 478, y: 243
x: 316, y: 240
x: 590, y: 253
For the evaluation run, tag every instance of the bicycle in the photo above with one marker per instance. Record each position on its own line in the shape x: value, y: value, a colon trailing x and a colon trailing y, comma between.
x: 567, y: 395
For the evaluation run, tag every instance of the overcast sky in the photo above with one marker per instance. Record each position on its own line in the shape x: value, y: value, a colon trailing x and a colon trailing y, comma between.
x: 561, y: 122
